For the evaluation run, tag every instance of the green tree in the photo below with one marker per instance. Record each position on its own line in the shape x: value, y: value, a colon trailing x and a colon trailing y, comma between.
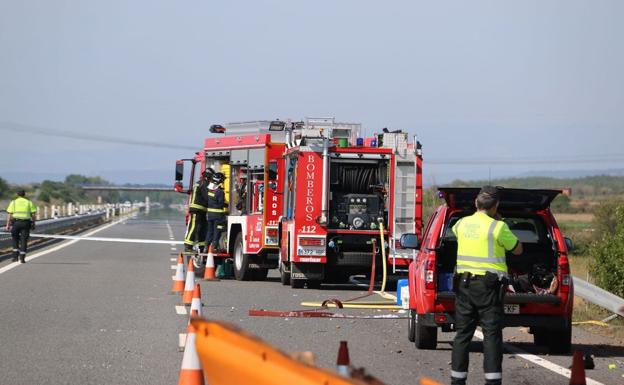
x: 608, y: 251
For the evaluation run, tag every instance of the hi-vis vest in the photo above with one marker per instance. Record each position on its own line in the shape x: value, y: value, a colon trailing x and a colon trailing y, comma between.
x: 481, y: 244
x: 21, y: 208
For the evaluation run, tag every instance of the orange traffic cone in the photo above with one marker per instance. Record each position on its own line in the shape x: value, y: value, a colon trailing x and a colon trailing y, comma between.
x: 343, y: 362
x: 189, y: 285
x: 178, y: 279
x: 577, y: 377
x: 190, y: 372
x: 196, y: 305
x: 209, y: 271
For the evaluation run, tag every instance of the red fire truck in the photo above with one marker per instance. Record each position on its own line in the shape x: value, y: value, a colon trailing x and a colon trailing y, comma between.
x: 341, y: 193
x: 310, y: 197
x: 252, y: 162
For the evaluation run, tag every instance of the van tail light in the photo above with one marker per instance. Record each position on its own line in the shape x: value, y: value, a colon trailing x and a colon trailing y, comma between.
x: 564, y: 275
x: 430, y: 274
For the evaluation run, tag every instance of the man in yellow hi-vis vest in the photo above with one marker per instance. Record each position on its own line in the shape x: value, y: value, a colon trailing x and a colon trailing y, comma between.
x: 480, y: 285
x: 21, y: 219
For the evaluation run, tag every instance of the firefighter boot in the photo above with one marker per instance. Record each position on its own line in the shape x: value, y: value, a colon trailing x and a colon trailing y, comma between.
x: 22, y: 257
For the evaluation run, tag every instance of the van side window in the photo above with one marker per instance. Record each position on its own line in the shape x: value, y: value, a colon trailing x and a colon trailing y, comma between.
x: 428, y: 228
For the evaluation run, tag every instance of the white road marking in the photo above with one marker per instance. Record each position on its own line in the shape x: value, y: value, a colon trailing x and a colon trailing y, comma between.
x: 539, y: 361
x: 173, y: 267
x: 172, y: 259
x: 181, y: 341
x: 59, y: 247
x: 181, y: 310
x: 173, y: 249
x: 86, y: 237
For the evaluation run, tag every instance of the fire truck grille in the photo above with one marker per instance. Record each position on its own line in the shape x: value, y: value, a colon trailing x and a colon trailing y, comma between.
x: 353, y: 258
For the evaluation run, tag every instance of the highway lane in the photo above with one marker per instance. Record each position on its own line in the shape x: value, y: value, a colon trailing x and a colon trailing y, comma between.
x: 100, y: 313
x: 91, y: 313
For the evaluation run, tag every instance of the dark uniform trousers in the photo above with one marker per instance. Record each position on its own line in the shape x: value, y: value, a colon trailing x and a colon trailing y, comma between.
x: 214, y: 226
x: 20, y: 233
x: 196, y: 230
x: 478, y: 303
x: 216, y: 217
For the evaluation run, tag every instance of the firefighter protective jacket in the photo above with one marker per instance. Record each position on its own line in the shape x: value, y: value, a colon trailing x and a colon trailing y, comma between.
x: 216, y: 202
x: 199, y: 197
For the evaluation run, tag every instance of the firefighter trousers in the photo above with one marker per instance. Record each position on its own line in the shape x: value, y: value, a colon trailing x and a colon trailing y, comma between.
x: 20, y: 231
x: 478, y: 303
x: 195, y: 230
x: 215, y: 227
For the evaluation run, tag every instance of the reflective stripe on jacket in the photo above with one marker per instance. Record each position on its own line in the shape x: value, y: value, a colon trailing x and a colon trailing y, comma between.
x: 21, y: 208
x: 481, y: 244
x: 198, y: 197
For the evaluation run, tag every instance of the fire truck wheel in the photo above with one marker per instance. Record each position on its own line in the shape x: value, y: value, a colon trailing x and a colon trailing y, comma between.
x: 425, y: 337
x: 242, y: 272
x: 284, y: 275
x: 411, y: 326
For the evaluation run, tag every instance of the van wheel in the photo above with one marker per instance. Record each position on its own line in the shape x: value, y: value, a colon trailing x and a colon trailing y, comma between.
x: 560, y: 341
x: 242, y: 272
x: 425, y: 337
x: 540, y: 337
x: 284, y: 275
x: 411, y: 325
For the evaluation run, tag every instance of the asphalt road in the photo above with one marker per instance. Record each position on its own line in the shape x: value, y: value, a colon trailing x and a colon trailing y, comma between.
x: 101, y: 313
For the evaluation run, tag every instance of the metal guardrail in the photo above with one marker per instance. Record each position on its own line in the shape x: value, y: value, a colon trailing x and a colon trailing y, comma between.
x: 598, y: 296
x: 59, y: 225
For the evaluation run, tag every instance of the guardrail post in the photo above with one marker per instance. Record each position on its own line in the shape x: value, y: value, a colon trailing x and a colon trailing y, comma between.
x: 45, y: 212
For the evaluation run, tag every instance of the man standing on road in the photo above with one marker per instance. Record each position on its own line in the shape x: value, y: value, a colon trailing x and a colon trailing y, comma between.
x: 196, y: 228
x: 480, y: 285
x: 21, y: 219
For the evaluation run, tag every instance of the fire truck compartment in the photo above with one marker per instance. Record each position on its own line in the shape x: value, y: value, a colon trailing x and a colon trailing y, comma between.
x: 356, y: 187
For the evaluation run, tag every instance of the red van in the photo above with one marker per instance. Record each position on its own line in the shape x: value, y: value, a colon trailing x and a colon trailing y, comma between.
x: 541, y: 291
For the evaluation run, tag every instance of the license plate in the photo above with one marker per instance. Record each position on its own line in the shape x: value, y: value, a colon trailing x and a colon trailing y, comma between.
x: 512, y: 309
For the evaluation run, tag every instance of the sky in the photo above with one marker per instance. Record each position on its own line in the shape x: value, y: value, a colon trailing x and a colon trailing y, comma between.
x: 490, y: 87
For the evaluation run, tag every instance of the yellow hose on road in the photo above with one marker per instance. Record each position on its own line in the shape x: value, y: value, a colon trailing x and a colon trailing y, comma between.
x: 383, y: 257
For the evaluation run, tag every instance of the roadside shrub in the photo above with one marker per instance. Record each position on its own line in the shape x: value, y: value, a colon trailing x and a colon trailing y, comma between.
x: 605, y: 221
x: 608, y: 251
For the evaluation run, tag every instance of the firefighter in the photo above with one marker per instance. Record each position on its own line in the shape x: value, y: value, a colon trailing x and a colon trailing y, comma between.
x: 196, y: 227
x: 216, y: 211
x: 480, y: 285
x: 21, y: 219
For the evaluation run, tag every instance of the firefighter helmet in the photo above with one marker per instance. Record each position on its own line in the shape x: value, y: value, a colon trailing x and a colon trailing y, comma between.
x: 218, y: 178
x: 208, y: 173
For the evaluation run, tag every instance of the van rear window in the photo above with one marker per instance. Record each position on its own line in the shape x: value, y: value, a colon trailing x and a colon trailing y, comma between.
x: 528, y: 230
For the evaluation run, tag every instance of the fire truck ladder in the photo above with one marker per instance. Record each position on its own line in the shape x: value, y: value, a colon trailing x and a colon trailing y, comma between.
x: 404, y: 208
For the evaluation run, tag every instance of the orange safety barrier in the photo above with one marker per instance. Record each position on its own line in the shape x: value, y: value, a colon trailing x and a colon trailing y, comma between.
x: 231, y: 356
